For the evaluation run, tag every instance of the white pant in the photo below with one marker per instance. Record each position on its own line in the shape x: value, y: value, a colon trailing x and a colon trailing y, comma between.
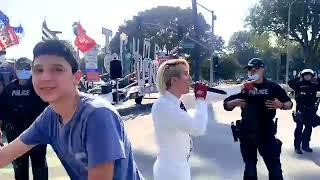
x: 168, y: 170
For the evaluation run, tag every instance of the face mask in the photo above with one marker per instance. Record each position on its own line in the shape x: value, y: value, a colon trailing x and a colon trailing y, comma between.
x: 253, y: 77
x: 23, y: 74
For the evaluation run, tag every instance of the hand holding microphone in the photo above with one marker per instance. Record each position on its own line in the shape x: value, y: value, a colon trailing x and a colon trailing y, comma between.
x: 200, y: 90
x: 211, y: 89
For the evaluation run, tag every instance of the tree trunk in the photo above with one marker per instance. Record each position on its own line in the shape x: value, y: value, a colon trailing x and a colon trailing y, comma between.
x: 310, y: 59
x: 307, y: 55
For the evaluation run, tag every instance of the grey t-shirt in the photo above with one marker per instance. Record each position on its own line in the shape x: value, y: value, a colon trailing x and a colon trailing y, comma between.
x: 94, y: 135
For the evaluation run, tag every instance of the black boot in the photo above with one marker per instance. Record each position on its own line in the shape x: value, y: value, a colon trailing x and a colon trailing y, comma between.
x: 298, y: 151
x: 307, y: 149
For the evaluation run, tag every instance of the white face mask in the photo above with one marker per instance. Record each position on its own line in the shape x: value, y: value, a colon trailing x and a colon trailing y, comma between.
x: 253, y: 77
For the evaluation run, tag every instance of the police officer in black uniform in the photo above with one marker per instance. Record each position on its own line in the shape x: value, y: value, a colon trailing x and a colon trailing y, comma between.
x: 259, y: 100
x: 307, y: 105
x: 19, y: 107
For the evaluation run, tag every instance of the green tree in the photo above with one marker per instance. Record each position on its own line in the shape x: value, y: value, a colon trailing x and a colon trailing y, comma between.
x: 241, y: 48
x: 160, y: 25
x: 245, y: 45
x: 228, y: 68
x: 272, y: 16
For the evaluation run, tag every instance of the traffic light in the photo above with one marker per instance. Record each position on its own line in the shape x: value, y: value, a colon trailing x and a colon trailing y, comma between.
x: 139, y: 24
x: 215, y: 60
x: 283, y: 64
x: 180, y: 33
x: 283, y: 60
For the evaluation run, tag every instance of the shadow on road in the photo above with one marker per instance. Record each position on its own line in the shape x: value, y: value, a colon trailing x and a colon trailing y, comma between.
x: 313, y: 157
x: 130, y: 113
x: 221, y: 155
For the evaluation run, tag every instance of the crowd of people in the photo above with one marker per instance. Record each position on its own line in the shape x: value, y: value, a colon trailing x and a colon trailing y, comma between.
x: 42, y: 105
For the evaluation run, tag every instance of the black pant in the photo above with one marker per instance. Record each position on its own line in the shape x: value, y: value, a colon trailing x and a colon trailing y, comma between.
x: 38, y: 161
x: 269, y: 149
x: 308, y: 120
x: 302, y: 135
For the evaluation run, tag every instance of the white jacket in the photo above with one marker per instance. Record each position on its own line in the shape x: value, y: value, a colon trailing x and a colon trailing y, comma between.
x: 172, y: 129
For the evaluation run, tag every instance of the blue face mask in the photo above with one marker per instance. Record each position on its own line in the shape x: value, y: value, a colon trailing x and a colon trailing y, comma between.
x: 23, y: 74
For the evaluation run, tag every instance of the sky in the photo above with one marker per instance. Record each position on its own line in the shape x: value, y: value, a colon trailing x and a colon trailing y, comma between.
x: 95, y: 14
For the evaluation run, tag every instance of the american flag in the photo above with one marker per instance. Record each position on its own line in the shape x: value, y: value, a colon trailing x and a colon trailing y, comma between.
x: 48, y: 34
x: 4, y: 20
x: 10, y: 37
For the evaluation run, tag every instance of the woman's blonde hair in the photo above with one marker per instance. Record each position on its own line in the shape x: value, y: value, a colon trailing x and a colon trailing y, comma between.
x: 168, y: 70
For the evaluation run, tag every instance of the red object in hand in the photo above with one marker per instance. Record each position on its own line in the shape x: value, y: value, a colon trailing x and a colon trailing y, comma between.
x: 200, y: 90
x: 248, y: 86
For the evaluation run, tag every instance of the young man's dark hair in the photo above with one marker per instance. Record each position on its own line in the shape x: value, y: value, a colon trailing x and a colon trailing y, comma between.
x: 57, y: 48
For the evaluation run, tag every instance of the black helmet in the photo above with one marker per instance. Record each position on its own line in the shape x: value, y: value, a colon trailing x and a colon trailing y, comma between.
x: 255, y: 63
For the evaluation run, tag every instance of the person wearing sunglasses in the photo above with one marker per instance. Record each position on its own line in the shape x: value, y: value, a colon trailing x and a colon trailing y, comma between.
x: 305, y: 87
x: 258, y: 101
x: 174, y: 126
x: 19, y: 107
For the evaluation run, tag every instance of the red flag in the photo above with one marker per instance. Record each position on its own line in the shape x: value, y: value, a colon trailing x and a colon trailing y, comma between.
x: 83, y: 41
x: 12, y: 37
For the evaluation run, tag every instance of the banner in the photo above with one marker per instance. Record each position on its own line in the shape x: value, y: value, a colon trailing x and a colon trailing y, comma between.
x: 91, y: 64
x: 91, y: 59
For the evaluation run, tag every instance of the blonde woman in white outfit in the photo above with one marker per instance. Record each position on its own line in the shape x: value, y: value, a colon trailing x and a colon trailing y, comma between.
x: 173, y: 125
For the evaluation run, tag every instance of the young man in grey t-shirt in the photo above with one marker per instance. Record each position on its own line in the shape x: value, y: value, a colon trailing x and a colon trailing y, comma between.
x: 86, y: 132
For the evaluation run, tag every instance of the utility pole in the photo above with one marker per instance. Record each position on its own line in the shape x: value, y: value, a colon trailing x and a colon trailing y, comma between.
x: 213, y: 18
x: 288, y: 41
x: 196, y: 50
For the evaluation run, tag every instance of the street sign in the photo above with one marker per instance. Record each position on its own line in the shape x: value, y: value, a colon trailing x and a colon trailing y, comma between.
x: 187, y: 44
x: 106, y: 32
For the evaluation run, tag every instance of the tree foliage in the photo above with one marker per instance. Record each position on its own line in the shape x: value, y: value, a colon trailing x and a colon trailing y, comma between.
x: 245, y: 45
x: 160, y: 25
x: 272, y: 16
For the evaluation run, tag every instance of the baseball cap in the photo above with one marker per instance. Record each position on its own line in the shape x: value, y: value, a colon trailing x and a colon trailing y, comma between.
x: 255, y: 63
x: 23, y: 63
